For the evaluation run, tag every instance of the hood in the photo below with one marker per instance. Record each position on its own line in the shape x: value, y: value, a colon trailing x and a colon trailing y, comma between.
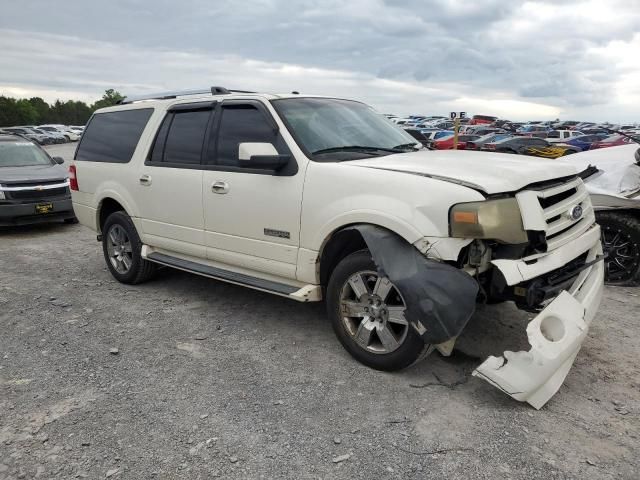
x: 620, y: 172
x: 33, y: 173
x: 487, y: 172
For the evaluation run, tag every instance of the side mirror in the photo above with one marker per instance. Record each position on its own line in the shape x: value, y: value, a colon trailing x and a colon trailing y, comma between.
x: 262, y: 156
x: 58, y: 160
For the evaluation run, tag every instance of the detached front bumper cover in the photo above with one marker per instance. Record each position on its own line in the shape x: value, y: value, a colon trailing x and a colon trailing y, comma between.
x: 555, y: 336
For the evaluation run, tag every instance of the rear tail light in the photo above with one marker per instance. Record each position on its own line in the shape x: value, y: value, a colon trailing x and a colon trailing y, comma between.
x: 73, y: 180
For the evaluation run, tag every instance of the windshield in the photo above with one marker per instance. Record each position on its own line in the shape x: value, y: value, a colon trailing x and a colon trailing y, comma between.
x: 22, y: 154
x: 322, y: 127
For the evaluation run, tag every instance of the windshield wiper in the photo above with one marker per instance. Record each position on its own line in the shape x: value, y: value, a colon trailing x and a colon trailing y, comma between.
x: 355, y: 148
x: 413, y: 146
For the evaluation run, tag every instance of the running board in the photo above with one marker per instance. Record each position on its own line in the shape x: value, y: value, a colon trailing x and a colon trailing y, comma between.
x: 303, y: 294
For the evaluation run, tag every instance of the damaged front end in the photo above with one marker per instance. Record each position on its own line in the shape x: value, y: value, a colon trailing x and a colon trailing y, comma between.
x: 556, y: 272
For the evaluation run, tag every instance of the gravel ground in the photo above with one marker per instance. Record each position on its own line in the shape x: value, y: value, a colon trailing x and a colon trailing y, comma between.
x: 187, y: 377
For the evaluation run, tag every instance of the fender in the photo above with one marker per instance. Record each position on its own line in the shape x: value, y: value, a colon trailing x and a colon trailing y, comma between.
x: 372, y: 217
x: 127, y: 204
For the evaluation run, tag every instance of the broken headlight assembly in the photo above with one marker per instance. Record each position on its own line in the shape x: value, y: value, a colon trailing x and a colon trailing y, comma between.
x: 497, y: 219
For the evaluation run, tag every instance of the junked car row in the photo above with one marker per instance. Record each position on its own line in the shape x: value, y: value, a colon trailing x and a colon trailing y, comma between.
x: 539, y: 139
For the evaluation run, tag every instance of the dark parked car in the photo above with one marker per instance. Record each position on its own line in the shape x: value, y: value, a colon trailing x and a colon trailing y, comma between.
x: 533, y: 146
x: 34, y: 187
x: 490, y: 137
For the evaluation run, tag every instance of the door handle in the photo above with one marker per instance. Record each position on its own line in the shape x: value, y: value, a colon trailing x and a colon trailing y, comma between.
x: 220, y: 187
x: 145, y: 180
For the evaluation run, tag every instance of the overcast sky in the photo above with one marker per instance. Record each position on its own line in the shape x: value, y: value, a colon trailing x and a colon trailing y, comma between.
x: 573, y: 59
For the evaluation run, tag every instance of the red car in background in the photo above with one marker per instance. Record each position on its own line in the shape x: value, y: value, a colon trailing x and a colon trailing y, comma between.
x: 446, y: 143
x: 482, y: 119
x: 612, y: 141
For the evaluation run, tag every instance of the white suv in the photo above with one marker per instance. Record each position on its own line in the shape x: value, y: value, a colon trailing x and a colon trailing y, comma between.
x: 312, y: 197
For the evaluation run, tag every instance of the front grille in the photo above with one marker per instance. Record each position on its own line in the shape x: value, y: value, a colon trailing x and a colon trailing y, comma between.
x: 552, y: 214
x: 557, y: 198
x: 37, y: 194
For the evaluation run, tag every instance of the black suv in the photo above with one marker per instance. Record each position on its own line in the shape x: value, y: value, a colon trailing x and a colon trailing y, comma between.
x: 34, y: 187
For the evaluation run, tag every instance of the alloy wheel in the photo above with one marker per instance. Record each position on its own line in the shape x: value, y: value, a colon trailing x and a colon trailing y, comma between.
x: 373, y: 312
x: 119, y: 249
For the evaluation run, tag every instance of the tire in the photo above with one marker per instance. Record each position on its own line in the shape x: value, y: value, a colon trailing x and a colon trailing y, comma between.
x: 621, y: 245
x: 121, y: 246
x: 403, y: 348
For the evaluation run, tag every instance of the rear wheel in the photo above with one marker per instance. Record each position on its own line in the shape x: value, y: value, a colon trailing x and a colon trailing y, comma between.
x: 367, y: 313
x: 121, y: 246
x: 621, y: 245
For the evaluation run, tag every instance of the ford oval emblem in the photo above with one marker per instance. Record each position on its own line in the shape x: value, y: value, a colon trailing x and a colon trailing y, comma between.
x: 575, y: 212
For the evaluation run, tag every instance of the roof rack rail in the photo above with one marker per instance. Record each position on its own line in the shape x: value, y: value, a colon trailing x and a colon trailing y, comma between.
x: 169, y: 95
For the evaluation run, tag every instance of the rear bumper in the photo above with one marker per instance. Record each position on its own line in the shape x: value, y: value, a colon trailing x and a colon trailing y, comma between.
x: 25, y: 213
x: 557, y: 333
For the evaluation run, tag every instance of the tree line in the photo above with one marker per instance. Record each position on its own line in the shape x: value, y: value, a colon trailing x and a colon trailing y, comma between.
x: 35, y: 111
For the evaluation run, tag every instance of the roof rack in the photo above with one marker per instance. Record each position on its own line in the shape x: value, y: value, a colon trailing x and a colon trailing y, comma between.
x: 169, y: 95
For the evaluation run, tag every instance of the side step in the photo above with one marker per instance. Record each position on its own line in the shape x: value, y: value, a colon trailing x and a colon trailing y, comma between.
x: 224, y: 275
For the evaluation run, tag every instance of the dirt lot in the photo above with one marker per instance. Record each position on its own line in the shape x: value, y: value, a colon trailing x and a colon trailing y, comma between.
x: 213, y: 380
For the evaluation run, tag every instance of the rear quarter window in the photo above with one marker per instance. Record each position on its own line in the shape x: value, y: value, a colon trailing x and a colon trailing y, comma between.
x: 113, y: 136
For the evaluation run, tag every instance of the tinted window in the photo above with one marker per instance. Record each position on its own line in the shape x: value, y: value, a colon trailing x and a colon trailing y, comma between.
x: 537, y: 142
x: 157, y: 153
x: 186, y: 136
x: 239, y: 124
x: 113, y: 136
x: 181, y: 137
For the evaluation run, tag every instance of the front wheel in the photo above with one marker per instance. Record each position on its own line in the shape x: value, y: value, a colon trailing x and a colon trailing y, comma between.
x: 121, y: 246
x: 367, y: 313
x: 621, y: 246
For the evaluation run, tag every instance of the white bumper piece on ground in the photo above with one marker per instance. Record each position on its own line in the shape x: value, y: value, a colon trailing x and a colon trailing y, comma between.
x: 557, y: 333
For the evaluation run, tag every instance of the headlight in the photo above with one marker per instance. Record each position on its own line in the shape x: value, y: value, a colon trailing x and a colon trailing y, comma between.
x: 2, y: 197
x: 492, y: 219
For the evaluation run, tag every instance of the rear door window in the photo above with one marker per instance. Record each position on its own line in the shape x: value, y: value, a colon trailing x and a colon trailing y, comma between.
x: 113, y: 136
x: 186, y: 136
x: 180, y: 138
